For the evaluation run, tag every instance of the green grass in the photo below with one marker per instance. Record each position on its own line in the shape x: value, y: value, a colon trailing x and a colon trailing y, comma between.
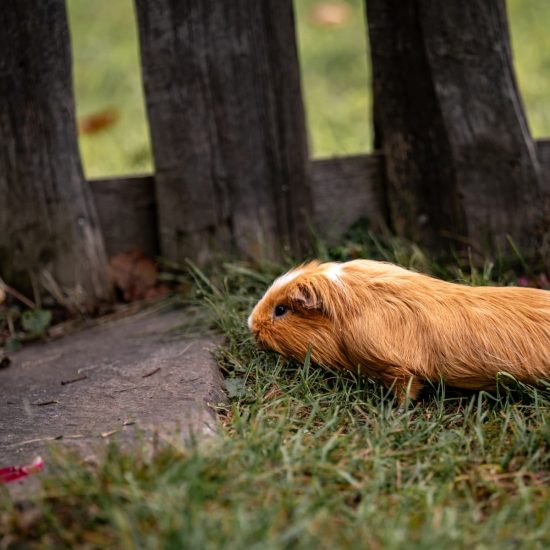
x: 529, y: 23
x: 336, y: 81
x: 311, y: 458
x: 335, y: 71
x: 107, y: 76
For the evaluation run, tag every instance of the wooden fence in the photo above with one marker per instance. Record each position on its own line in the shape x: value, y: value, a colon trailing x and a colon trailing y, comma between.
x: 345, y: 189
x: 454, y: 161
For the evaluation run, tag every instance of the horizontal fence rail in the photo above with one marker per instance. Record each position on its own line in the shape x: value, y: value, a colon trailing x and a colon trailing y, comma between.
x: 344, y: 190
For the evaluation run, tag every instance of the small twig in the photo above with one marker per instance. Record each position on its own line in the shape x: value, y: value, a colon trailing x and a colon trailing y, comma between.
x: 62, y: 436
x: 29, y: 441
x: 17, y: 295
x: 65, y: 382
x: 108, y: 434
x: 41, y: 439
x: 125, y: 389
x: 461, y: 239
x: 35, y: 290
x: 50, y: 402
x: 49, y: 283
x: 151, y: 373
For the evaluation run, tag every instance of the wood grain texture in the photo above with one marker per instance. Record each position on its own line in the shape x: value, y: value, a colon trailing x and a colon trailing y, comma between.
x: 344, y: 189
x: 543, y: 150
x: 47, y: 217
x: 459, y: 161
x: 225, y: 111
x: 127, y: 214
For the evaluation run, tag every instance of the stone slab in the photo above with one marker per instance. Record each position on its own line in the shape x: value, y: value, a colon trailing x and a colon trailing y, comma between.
x: 137, y: 375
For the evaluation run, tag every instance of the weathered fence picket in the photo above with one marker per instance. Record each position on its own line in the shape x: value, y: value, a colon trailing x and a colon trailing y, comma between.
x: 225, y: 111
x: 460, y: 163
x: 47, y: 217
x: 127, y: 211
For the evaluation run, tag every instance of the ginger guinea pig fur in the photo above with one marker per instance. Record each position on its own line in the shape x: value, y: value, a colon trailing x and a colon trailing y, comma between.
x: 401, y: 327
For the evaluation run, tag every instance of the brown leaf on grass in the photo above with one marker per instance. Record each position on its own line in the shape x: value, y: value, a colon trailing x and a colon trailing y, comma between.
x: 6, y: 289
x: 135, y: 275
x: 96, y: 122
x: 330, y: 14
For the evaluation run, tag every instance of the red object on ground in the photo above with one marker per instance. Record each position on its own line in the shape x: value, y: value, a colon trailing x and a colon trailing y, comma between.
x: 13, y: 473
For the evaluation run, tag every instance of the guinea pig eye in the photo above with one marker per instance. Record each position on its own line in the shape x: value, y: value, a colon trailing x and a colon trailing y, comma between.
x: 280, y: 310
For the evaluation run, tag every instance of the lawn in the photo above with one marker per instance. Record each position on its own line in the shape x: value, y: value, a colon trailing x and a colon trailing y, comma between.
x: 311, y: 458
x: 334, y: 63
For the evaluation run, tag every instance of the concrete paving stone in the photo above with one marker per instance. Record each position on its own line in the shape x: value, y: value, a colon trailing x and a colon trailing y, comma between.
x: 140, y: 375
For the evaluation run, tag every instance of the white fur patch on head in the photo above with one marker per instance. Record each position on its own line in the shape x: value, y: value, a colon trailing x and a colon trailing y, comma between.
x: 333, y: 272
x: 285, y: 279
x: 276, y: 285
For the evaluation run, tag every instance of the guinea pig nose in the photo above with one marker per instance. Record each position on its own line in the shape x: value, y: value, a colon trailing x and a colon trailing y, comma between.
x: 250, y: 323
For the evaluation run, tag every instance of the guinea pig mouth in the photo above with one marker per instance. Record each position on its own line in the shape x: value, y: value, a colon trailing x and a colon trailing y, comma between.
x: 260, y: 344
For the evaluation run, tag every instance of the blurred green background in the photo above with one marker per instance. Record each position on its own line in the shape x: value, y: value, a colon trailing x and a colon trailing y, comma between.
x: 114, y: 138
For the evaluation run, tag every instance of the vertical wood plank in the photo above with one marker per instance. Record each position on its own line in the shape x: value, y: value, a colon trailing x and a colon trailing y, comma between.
x: 47, y: 218
x: 225, y: 109
x: 459, y: 160
x: 127, y: 213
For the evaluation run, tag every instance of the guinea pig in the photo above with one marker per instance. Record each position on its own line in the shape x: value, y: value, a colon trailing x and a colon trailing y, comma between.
x: 403, y: 328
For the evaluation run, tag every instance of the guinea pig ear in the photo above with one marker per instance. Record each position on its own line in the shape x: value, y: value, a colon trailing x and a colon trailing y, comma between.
x: 304, y: 295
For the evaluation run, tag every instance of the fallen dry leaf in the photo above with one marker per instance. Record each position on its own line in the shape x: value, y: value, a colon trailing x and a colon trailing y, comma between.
x: 96, y: 122
x: 330, y: 14
x: 135, y: 275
